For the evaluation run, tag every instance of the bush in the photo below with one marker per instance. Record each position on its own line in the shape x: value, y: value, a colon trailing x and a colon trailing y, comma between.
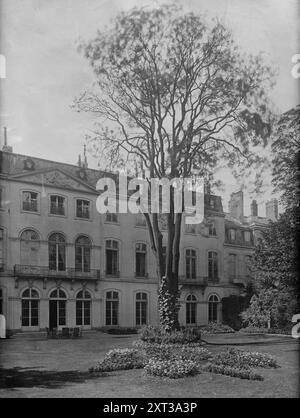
x: 232, y: 371
x: 215, y: 328
x: 120, y: 359
x: 173, y: 369
x: 244, y: 359
x: 157, y: 335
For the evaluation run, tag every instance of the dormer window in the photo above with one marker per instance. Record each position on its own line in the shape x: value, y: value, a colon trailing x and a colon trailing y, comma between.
x: 30, y: 201
x: 57, y: 205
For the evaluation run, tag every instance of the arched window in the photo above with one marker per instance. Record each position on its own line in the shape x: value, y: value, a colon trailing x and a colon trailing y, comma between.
x: 30, y: 246
x: 191, y: 310
x: 112, y: 308
x: 83, y: 254
x: 57, y: 252
x: 83, y: 308
x: 213, y: 302
x: 141, y: 302
x: 30, y: 308
x: 190, y: 263
x: 112, y: 257
x: 213, y: 265
x: 140, y: 260
x: 57, y: 308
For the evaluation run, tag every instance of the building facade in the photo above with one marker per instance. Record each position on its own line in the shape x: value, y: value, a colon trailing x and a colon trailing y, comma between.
x: 64, y: 264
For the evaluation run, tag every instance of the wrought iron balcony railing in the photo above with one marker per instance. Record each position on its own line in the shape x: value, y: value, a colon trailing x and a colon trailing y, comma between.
x: 45, y: 272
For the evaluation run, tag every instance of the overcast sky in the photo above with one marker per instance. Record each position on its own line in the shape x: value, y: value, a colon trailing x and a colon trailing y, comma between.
x: 44, y: 71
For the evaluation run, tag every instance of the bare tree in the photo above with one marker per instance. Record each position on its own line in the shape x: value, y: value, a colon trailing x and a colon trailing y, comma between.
x: 174, y: 93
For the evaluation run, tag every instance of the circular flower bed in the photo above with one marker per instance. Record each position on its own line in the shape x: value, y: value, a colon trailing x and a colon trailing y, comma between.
x: 172, y: 369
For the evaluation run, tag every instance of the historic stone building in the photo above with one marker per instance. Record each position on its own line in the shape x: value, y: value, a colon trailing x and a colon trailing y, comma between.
x: 64, y: 264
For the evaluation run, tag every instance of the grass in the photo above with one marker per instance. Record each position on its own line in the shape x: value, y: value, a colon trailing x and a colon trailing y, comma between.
x: 58, y: 368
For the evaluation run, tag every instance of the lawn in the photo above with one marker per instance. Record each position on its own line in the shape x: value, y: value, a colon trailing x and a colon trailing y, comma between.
x: 58, y: 368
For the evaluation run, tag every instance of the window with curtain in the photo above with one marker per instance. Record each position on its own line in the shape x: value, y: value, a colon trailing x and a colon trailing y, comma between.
x: 83, y: 308
x: 30, y: 247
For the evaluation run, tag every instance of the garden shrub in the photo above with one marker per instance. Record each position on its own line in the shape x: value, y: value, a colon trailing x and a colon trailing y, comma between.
x: 215, y: 328
x: 183, y: 336
x: 232, y: 371
x: 173, y: 369
x: 120, y: 359
x: 244, y: 359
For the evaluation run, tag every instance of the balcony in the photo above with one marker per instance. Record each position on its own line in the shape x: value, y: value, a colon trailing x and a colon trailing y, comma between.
x: 45, y: 272
x: 197, y: 281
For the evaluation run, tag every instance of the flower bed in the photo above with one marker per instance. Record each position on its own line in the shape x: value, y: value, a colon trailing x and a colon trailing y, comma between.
x: 244, y: 359
x: 232, y: 371
x: 176, y: 351
x: 172, y: 369
x: 120, y: 359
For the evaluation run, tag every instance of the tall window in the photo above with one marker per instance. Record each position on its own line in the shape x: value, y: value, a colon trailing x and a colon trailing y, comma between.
x: 190, y: 262
x: 213, y: 265
x: 232, y: 234
x: 30, y: 201
x: 112, y: 308
x: 83, y: 254
x: 140, y: 260
x: 191, y: 309
x: 111, y: 217
x: 1, y: 249
x: 1, y: 302
x: 248, y: 264
x: 232, y: 265
x: 213, y: 303
x: 30, y: 308
x: 141, y: 308
x: 57, y: 252
x: 83, y: 308
x: 58, y: 307
x: 82, y: 209
x: 247, y: 236
x: 57, y: 205
x: 190, y: 228
x: 112, y: 257
x: 30, y: 246
x: 212, y: 229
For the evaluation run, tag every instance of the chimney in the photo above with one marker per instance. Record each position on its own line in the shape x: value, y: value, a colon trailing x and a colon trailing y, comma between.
x: 272, y: 210
x: 6, y: 147
x: 254, y: 209
x: 236, y: 206
x: 79, y: 161
x: 84, y: 164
